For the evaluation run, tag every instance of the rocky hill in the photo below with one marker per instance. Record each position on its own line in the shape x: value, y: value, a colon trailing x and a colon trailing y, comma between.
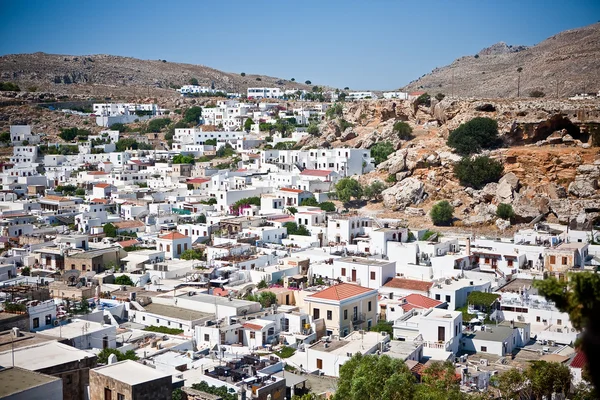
x: 570, y: 57
x: 103, y: 75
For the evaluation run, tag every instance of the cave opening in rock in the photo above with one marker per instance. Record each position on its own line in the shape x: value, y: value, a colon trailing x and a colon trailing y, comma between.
x: 558, y: 123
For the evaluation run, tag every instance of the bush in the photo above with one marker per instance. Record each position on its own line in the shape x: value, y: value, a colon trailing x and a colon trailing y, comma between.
x: 183, y: 159
x: 313, y: 129
x: 5, y: 137
x: 9, y: 87
x: 310, y: 202
x: 163, y: 329
x: 119, y: 127
x: 440, y: 96
x: 248, y: 124
x: 348, y: 188
x: 442, y: 213
x: 130, y: 143
x: 336, y: 110
x: 25, y: 271
x: 123, y: 280
x: 373, y: 191
x: 109, y: 230
x: 403, y: 130
x: 536, y: 93
x: 286, y: 352
x: 424, y: 100
x: 343, y: 124
x: 128, y: 355
x: 381, y: 151
x: 479, y: 133
x: 194, y: 81
x: 505, y: 211
x: 192, y: 254
x: 243, y: 74
x: 295, y: 229
x: 292, y: 210
x: 192, y: 115
x: 68, y: 134
x: 391, y: 178
x: 327, y: 206
x: 156, y: 125
x: 478, y: 172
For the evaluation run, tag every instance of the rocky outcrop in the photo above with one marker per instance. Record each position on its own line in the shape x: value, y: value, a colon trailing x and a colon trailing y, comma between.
x: 586, y: 181
x: 410, y: 191
x: 507, y: 187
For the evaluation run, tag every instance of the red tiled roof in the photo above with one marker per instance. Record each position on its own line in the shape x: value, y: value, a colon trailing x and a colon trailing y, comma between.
x: 417, y: 93
x: 316, y: 172
x: 138, y: 162
x: 102, y: 185
x: 418, y: 301
x: 242, y: 170
x: 103, y: 201
x: 128, y: 224
x: 291, y: 190
x: 97, y: 173
x: 341, y: 292
x: 254, y: 327
x: 173, y: 236
x: 198, y: 180
x: 409, y: 284
x: 55, y: 198
x: 579, y: 361
x: 127, y: 243
x: 220, y: 292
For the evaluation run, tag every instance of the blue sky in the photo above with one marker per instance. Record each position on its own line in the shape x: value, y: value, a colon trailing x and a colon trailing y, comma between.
x: 369, y: 44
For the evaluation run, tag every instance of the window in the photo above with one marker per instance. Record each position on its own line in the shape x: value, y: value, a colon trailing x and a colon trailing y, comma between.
x: 49, y: 319
x: 510, y: 263
x: 343, y: 271
x: 252, y: 334
x: 206, y: 337
x: 372, y: 275
x: 559, y: 321
x: 69, y: 379
x: 143, y: 318
x: 369, y: 306
x: 564, y: 261
x: 448, y: 299
x: 107, y: 394
x: 345, y: 314
x: 319, y: 363
x: 329, y: 315
x: 316, y: 313
x: 437, y: 297
x: 537, y: 319
x: 36, y: 323
x: 484, y: 349
x: 552, y: 259
x: 120, y: 396
x: 157, y: 321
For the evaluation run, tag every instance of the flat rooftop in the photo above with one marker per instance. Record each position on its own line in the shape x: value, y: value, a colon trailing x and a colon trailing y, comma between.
x: 175, y: 312
x: 44, y: 355
x: 218, y: 300
x: 493, y: 333
x: 15, y: 380
x: 130, y: 372
x: 516, y: 285
x: 75, y: 329
x: 401, y: 349
x: 362, y: 261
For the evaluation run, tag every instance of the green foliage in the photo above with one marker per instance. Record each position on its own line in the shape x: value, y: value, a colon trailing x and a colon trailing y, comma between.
x: 69, y: 134
x: 478, y: 171
x: 262, y: 284
x: 343, y: 124
x: 391, y: 178
x: 286, y: 352
x: 5, y: 137
x: 210, y: 142
x: 218, y: 391
x: 266, y: 299
x: 335, y: 111
x: 313, y: 129
x: 119, y: 127
x: 384, y: 326
x: 482, y: 299
x: 292, y: 210
x: 225, y: 151
x: 536, y: 94
x: 252, y: 201
x: 157, y: 124
x: 284, y: 146
x: 201, y: 219
x: 123, y: 280
x: 308, y: 82
x: 130, y: 143
x: 183, y: 159
x: 424, y: 100
x: 128, y: 355
x: 327, y: 206
x: 510, y: 383
x: 243, y: 74
x: 15, y: 307
x: 194, y: 81
x: 163, y: 329
x: 9, y: 87
x: 66, y: 189
x: 470, y: 137
x: 548, y: 378
x: 310, y: 202
x: 212, y: 201
x: 109, y: 230
x: 177, y: 394
x: 429, y: 233
x: 442, y: 213
x: 192, y: 115
x: 373, y: 191
x: 265, y: 127
x: 403, y: 130
x: 80, y: 192
x: 26, y: 271
x: 348, y: 188
x: 505, y: 211
x: 248, y: 124
x: 192, y: 254
x: 381, y: 151
x: 440, y: 96
x: 295, y: 229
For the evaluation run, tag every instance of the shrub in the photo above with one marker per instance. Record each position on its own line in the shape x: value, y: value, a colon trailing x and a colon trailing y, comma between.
x: 292, y: 210
x: 194, y: 81
x: 373, y: 191
x: 313, y: 129
x: 163, y: 329
x: 348, y: 188
x: 258, y: 79
x: 128, y: 355
x: 243, y: 74
x: 442, y: 213
x: 536, y: 93
x: 327, y: 206
x: 5, y: 137
x: 248, y: 124
x: 183, y: 159
x: 310, y: 202
x: 109, y: 230
x: 9, y: 87
x: 343, y: 124
x: 308, y: 82
x: 68, y: 134
x: 381, y: 151
x: 156, y: 125
x: 192, y: 115
x: 286, y: 352
x: 479, y: 133
x: 123, y: 280
x: 505, y: 211
x: 403, y: 130
x: 440, y: 96
x: 336, y: 110
x: 391, y: 178
x: 424, y: 100
x: 192, y: 254
x: 478, y: 172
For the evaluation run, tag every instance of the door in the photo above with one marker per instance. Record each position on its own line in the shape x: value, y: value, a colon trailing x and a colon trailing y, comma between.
x: 241, y: 336
x: 353, y: 275
x: 316, y: 313
x: 287, y: 299
x: 441, y: 334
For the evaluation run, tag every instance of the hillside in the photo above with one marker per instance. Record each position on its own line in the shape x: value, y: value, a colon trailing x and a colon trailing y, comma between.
x: 571, y: 57
x: 105, y: 75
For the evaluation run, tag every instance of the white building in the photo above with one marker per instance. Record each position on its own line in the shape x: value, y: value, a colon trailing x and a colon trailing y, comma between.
x: 173, y: 244
x: 361, y: 96
x: 264, y: 93
x: 366, y: 272
x: 42, y: 314
x: 344, y: 161
x: 395, y: 95
x: 21, y: 133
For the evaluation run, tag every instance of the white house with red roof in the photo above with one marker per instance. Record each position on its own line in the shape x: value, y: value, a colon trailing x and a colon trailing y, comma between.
x: 293, y: 197
x: 102, y: 190
x: 344, y: 308
x: 344, y: 161
x: 392, y: 309
x: 173, y: 244
x: 320, y: 174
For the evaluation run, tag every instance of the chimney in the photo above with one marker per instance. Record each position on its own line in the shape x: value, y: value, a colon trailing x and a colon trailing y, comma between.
x: 468, y: 247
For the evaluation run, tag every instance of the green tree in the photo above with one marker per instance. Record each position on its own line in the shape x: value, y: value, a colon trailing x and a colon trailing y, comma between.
x: 80, y: 192
x: 442, y: 213
x: 313, y: 129
x: 9, y: 87
x: 119, y: 127
x: 183, y: 159
x: 292, y: 210
x: 308, y: 82
x: 510, y: 384
x: 295, y: 229
x: 403, y: 130
x: 177, y: 394
x: 440, y: 96
x: 439, y: 382
x: 221, y: 391
x: 248, y: 124
x: 5, y: 137
x: 243, y: 74
x: 266, y: 299
x: 373, y: 191
x: 384, y: 326
x: 478, y: 171
x: 69, y: 134
x: 123, y: 280
x: 424, y: 100
x: 192, y: 254
x: 310, y: 202
x: 128, y: 355
x: 192, y: 115
x: 131, y: 143
x: 381, y: 151
x: 548, y: 378
x: 201, y: 219
x: 335, y: 111
x: 327, y: 206
x: 194, y: 81
x: 26, y: 271
x: 348, y: 188
x: 210, y: 142
x: 474, y: 135
x: 505, y: 211
x: 157, y: 124
x: 262, y: 284
x: 109, y: 230
x: 284, y: 146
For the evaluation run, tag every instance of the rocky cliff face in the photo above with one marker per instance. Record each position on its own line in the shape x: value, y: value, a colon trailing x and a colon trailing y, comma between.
x: 564, y: 64
x: 550, y: 156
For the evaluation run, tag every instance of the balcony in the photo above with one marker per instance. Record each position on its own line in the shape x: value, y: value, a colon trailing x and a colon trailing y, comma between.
x: 358, y: 318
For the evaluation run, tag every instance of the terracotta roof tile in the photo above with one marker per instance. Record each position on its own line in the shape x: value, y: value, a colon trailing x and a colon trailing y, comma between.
x: 173, y: 236
x: 127, y: 243
x: 291, y: 190
x: 579, y: 361
x: 102, y: 201
x: 102, y: 185
x: 409, y: 284
x: 341, y: 292
x: 316, y: 172
x: 198, y: 180
x: 97, y: 173
x: 129, y: 224
x: 55, y: 198
x: 418, y: 301
x: 254, y: 327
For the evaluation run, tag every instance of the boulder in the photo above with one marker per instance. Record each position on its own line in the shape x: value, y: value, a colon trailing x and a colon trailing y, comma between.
x: 511, y: 179
x: 489, y: 191
x: 400, y: 176
x: 456, y: 203
x: 348, y: 134
x: 410, y: 191
x: 555, y: 138
x: 527, y: 206
x: 583, y: 187
x: 502, y: 224
x: 415, y: 212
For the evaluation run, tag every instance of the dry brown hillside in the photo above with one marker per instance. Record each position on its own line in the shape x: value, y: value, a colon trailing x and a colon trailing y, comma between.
x: 570, y: 57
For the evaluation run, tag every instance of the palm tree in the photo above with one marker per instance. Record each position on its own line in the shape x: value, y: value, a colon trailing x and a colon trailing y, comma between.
x: 519, y: 70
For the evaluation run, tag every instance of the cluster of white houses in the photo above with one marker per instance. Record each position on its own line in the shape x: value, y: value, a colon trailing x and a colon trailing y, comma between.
x: 198, y: 257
